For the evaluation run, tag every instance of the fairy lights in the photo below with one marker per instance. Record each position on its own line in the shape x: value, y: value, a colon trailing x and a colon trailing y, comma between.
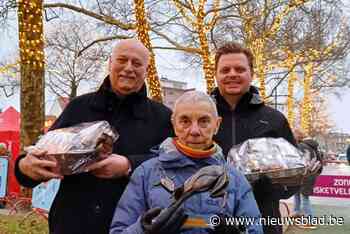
x: 256, y: 40
x: 31, y: 52
x: 142, y: 32
x: 31, y: 39
x: 307, y: 103
x: 196, y: 18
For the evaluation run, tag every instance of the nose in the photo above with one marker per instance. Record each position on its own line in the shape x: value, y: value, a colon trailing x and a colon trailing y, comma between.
x: 232, y: 72
x: 194, y: 129
x: 128, y: 66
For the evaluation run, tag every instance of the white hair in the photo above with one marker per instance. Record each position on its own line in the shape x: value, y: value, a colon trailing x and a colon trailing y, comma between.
x: 195, y: 97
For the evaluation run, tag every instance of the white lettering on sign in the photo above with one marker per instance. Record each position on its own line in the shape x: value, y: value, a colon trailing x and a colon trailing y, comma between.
x: 331, y: 190
x: 341, y: 182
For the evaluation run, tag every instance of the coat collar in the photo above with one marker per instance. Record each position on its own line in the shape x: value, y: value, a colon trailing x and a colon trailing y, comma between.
x: 170, y: 157
x: 251, y: 98
x: 107, y: 100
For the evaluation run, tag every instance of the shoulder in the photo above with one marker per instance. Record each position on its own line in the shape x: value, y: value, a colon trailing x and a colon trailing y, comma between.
x: 147, y: 166
x: 272, y: 113
x: 159, y: 108
x: 82, y: 100
x: 75, y: 111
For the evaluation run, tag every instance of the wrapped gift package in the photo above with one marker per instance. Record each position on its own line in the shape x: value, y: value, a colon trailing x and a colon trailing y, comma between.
x: 273, y: 157
x: 74, y: 148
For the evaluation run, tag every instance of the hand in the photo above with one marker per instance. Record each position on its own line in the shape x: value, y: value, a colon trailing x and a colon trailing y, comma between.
x: 38, y: 169
x: 166, y: 221
x: 223, y: 228
x: 113, y: 166
x: 262, y: 187
x: 104, y: 146
x: 314, y: 166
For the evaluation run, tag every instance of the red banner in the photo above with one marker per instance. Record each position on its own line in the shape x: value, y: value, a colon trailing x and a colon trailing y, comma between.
x: 332, y: 186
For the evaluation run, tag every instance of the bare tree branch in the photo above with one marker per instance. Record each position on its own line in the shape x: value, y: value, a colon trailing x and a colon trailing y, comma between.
x: 177, y: 45
x: 102, y: 40
x: 106, y: 19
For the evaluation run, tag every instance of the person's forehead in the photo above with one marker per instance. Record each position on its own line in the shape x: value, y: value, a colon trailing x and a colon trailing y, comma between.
x: 233, y: 58
x: 194, y: 109
x: 131, y: 48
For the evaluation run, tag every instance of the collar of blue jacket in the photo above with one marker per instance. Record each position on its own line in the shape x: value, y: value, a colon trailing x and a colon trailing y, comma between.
x: 170, y: 157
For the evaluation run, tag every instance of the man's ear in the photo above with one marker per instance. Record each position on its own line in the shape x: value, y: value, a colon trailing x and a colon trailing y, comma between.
x: 172, y: 119
x: 219, y: 120
x: 147, y: 70
x: 109, y: 64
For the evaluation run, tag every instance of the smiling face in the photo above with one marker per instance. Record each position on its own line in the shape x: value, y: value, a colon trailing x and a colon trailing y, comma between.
x: 128, y: 67
x: 195, y: 124
x: 233, y: 74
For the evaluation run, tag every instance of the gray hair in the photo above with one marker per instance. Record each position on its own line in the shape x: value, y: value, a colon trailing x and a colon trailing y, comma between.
x: 195, y: 97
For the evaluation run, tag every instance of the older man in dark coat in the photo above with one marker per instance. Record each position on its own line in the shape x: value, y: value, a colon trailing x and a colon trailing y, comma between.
x: 85, y: 202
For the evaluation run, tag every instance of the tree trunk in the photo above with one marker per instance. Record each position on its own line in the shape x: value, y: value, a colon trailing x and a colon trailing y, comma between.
x: 32, y: 72
x: 142, y: 33
x: 307, y: 101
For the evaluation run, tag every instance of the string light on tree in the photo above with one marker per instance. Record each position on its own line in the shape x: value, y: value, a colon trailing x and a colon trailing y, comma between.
x: 31, y: 52
x: 196, y: 18
x: 307, y: 104
x: 142, y: 32
x: 256, y: 39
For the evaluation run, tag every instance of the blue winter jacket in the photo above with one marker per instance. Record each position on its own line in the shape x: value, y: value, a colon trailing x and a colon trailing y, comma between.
x: 145, y: 192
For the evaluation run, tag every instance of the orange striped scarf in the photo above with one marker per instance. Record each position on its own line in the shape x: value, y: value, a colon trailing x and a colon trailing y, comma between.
x: 194, y: 153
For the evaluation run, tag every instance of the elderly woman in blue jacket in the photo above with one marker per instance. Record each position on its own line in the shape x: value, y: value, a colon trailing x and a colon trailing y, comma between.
x: 142, y: 207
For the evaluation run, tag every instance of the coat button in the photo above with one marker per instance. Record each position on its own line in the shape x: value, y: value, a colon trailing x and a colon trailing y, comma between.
x: 97, y: 209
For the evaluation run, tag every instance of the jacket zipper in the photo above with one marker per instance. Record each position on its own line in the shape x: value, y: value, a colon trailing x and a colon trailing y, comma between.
x: 233, y: 132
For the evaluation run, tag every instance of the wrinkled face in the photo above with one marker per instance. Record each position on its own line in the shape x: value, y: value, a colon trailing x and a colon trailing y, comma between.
x: 195, y: 124
x: 233, y: 74
x: 128, y: 67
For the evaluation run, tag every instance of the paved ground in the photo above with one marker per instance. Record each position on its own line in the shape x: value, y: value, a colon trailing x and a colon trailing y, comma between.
x: 335, y: 207
x: 323, y: 206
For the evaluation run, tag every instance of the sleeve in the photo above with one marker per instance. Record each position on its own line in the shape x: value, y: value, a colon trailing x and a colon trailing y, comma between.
x: 286, y: 132
x: 246, y: 206
x: 22, y: 178
x: 131, y: 206
x: 61, y: 122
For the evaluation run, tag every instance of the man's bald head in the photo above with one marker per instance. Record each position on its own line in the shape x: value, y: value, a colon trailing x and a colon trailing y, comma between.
x: 128, y: 66
x: 131, y: 43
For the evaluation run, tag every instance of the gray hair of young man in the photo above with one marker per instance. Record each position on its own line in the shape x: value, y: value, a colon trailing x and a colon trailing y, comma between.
x: 196, y: 97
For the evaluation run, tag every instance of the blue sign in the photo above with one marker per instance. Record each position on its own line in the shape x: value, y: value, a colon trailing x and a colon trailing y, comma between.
x: 44, y: 193
x: 3, y: 176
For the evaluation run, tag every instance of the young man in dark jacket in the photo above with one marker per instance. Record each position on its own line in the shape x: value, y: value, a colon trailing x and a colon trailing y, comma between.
x: 85, y: 202
x: 246, y: 116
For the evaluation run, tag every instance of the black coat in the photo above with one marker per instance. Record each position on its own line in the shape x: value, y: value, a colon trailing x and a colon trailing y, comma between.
x: 251, y: 118
x: 85, y: 204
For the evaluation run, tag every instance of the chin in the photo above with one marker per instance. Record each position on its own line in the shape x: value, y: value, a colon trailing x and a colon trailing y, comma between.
x: 234, y: 91
x: 195, y: 146
x: 123, y: 91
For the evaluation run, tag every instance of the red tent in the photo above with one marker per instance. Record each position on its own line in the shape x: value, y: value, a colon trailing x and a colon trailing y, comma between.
x: 9, y: 134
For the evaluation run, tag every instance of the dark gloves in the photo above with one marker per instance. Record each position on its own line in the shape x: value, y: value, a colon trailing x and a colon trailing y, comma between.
x: 262, y: 187
x: 227, y: 228
x: 163, y: 221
